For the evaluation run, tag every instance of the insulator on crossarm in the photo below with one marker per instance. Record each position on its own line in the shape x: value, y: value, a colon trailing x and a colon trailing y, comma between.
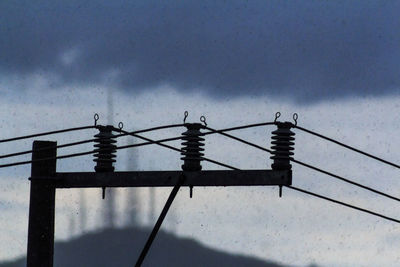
x: 282, y: 146
x: 192, y: 147
x: 105, y: 145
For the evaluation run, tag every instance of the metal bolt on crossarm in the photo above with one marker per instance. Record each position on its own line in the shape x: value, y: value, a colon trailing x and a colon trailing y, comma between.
x: 105, y: 145
x: 282, y: 146
x: 192, y: 149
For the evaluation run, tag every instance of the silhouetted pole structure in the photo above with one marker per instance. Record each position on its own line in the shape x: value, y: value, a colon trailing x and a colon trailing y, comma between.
x: 45, y: 180
x: 41, y: 237
x: 160, y: 220
x: 42, y: 205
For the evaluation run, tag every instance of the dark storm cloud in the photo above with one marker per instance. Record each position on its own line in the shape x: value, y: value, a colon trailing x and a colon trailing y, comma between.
x: 307, y: 50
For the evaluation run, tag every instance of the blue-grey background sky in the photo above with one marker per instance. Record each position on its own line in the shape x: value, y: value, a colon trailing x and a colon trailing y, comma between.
x: 336, y: 63
x: 300, y: 50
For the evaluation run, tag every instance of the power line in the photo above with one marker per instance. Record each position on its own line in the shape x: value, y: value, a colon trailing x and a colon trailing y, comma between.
x: 345, y: 180
x: 80, y: 153
x: 172, y: 148
x: 159, y: 142
x: 82, y: 142
x: 311, y: 167
x: 221, y: 131
x: 47, y: 148
x: 296, y: 161
x: 45, y: 159
x: 211, y: 131
x: 124, y: 134
x: 47, y: 133
x: 344, y: 204
x: 340, y: 202
x: 149, y: 142
x: 337, y: 201
x: 239, y: 127
x: 237, y: 139
x: 348, y: 147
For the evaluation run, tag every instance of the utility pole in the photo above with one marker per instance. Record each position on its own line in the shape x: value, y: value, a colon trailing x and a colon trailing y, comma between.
x: 45, y: 180
x: 42, y: 205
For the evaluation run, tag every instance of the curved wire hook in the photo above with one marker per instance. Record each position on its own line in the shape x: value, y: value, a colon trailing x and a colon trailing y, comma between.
x: 277, y: 115
x: 295, y: 117
x: 203, y: 120
x: 186, y: 114
x: 96, y: 118
x: 120, y: 125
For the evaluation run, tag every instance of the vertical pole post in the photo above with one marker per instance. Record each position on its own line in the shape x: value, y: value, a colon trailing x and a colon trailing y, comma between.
x: 42, y: 205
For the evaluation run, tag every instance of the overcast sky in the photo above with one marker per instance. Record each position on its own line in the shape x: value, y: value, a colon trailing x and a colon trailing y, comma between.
x: 300, y: 50
x: 335, y: 63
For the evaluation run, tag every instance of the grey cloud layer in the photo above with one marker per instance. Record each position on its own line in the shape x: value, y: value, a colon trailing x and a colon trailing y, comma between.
x: 305, y: 50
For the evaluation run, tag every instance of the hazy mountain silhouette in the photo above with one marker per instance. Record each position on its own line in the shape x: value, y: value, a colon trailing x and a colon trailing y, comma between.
x: 121, y: 247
